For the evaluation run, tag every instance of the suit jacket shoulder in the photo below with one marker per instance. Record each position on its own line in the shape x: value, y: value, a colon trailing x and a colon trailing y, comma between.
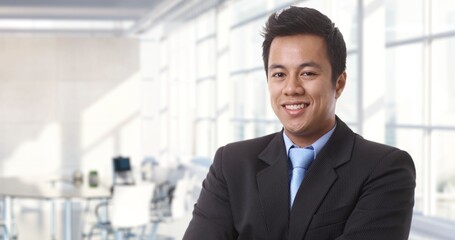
x: 251, y: 148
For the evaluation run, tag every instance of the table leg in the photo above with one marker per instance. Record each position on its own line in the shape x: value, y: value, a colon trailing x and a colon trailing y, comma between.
x: 104, y: 214
x: 118, y: 235
x: 67, y: 219
x: 52, y: 219
x: 7, y: 217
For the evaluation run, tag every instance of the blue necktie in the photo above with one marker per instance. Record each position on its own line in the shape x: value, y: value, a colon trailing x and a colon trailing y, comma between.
x: 301, y: 159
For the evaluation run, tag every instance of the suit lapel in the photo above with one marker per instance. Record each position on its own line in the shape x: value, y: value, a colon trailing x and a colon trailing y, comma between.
x: 319, y: 179
x: 273, y: 186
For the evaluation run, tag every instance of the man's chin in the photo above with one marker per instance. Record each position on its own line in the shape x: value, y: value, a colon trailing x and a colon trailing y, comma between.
x: 296, y: 130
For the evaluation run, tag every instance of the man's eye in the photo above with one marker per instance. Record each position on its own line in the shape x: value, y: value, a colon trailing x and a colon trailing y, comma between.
x: 280, y: 75
x: 308, y: 74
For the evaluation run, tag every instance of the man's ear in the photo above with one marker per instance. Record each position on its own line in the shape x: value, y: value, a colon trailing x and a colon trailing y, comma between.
x: 340, y: 83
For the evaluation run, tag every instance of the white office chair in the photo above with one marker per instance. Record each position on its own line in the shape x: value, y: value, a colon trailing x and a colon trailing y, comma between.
x: 128, y: 210
x: 172, y: 204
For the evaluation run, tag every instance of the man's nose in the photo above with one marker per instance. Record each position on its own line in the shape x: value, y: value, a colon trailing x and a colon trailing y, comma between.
x: 294, y: 86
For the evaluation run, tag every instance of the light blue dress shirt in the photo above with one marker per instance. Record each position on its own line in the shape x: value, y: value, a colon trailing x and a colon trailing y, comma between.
x: 317, y: 146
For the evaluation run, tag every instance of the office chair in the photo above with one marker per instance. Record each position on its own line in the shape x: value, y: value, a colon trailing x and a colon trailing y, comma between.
x: 128, y: 210
x: 171, y: 203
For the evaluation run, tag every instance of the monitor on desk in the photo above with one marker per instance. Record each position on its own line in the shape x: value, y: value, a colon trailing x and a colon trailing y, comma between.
x: 122, y: 171
x: 122, y: 164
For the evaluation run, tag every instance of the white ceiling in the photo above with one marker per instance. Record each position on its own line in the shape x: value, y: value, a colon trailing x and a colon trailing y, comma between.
x: 94, y: 17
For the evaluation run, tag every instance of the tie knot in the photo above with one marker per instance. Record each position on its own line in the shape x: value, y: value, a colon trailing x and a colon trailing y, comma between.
x: 301, y: 157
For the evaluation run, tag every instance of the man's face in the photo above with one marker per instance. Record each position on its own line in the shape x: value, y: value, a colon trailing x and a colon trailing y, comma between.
x: 300, y: 84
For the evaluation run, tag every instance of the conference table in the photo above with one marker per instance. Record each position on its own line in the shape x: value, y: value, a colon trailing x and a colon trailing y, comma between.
x: 47, y: 189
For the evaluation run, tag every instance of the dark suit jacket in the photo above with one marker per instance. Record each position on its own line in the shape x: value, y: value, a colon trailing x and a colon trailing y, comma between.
x: 354, y: 189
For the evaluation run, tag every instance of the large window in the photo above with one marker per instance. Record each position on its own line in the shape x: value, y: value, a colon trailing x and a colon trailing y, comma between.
x: 399, y: 91
x: 421, y: 114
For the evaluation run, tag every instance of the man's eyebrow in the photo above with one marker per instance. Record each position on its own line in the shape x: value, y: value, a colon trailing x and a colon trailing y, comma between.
x: 274, y: 66
x: 303, y: 65
x: 310, y: 64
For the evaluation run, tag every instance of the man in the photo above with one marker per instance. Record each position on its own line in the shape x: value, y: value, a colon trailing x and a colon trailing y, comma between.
x: 351, y: 188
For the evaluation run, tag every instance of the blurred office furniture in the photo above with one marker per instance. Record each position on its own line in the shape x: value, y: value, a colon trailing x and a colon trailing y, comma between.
x: 148, y: 166
x: 175, y: 190
x: 172, y: 201
x: 46, y: 189
x: 127, y: 211
x: 122, y: 171
x: 427, y: 227
x: 6, y: 222
x: 175, y: 187
x: 201, y: 161
x: 4, y: 231
x: 93, y: 178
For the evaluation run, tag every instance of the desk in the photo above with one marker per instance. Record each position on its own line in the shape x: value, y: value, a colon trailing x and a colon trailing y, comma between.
x: 47, y: 189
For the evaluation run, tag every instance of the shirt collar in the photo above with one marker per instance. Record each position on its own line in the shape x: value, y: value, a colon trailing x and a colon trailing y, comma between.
x: 317, y: 145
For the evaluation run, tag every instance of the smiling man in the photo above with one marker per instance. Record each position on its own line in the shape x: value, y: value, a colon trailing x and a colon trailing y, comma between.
x: 316, y: 179
x: 301, y: 89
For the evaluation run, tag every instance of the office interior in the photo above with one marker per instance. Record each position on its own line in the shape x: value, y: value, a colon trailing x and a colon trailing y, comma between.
x: 165, y: 83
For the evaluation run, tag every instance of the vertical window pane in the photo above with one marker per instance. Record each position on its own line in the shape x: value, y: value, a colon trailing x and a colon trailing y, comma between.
x: 243, y: 10
x: 404, y: 19
x: 205, y: 24
x: 346, y: 18
x: 203, y: 145
x: 404, y: 76
x: 255, y: 84
x: 442, y: 157
x: 246, y: 43
x: 205, y: 106
x: 347, y: 103
x: 442, y: 83
x: 205, y: 66
x: 238, y: 100
x: 443, y: 15
x: 411, y: 140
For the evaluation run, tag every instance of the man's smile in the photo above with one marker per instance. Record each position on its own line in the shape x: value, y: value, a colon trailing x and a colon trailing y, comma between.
x: 296, y: 106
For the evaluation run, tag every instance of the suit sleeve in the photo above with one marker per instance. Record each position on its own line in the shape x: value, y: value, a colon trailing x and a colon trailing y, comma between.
x: 212, y: 217
x: 384, y: 208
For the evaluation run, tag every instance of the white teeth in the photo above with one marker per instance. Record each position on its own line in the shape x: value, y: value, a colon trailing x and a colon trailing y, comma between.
x: 295, y: 106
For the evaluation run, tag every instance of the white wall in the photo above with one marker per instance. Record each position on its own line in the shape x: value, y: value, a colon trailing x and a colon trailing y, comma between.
x: 68, y: 104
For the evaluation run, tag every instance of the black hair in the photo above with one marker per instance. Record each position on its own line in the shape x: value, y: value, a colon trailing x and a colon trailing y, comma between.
x: 301, y: 20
